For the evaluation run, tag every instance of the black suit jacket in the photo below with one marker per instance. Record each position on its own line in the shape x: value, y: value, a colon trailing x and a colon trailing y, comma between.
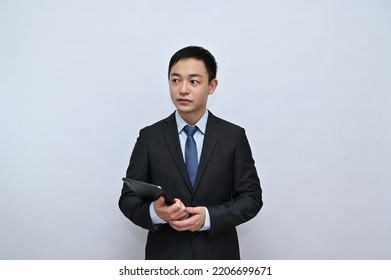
x: 227, y: 184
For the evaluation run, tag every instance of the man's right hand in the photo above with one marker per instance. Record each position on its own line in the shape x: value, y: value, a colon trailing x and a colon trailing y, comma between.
x: 176, y: 211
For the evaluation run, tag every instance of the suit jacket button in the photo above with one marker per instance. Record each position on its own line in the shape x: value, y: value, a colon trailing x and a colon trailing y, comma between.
x: 194, y: 204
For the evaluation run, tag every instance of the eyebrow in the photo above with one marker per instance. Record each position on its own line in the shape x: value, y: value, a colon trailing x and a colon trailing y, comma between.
x: 191, y: 75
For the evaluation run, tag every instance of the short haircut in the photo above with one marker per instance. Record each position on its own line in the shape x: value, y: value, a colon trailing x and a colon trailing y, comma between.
x: 197, y: 53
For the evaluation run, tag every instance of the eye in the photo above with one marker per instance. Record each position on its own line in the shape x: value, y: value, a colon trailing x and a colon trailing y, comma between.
x: 174, y: 81
x: 194, y: 82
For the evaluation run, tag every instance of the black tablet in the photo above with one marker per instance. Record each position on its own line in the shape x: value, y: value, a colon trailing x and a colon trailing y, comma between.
x: 146, y: 191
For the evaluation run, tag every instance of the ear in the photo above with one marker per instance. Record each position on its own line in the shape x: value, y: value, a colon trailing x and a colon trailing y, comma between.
x: 213, y: 85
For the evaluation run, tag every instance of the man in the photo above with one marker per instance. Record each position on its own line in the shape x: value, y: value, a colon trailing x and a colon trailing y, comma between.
x: 209, y: 170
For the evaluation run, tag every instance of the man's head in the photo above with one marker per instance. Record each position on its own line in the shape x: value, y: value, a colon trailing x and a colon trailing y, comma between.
x: 197, y: 53
x: 192, y: 78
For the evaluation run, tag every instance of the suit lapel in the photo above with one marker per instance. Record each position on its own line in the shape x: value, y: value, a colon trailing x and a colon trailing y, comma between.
x: 211, y: 135
x: 172, y: 139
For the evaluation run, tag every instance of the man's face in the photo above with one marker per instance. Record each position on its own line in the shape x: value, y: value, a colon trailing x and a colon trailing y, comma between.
x: 190, y: 88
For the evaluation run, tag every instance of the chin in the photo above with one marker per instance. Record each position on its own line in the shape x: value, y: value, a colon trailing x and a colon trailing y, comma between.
x: 184, y: 109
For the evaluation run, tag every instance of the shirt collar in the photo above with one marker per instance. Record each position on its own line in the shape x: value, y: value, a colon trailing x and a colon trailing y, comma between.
x: 201, y: 124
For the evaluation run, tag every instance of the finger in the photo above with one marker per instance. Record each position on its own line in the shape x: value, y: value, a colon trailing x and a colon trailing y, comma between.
x: 183, y: 216
x: 184, y: 223
x: 191, y: 210
x: 159, y: 201
x: 190, y: 224
x: 195, y: 210
x: 177, y: 227
x: 177, y: 201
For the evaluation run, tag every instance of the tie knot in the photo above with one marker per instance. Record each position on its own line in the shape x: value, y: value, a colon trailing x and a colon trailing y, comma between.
x: 190, y: 130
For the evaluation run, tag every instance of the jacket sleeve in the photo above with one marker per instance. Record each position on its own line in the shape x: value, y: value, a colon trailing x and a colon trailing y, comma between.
x: 246, y: 193
x: 130, y: 204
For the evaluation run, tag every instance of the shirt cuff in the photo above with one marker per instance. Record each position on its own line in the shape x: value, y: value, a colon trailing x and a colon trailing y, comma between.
x: 207, y: 221
x: 156, y: 220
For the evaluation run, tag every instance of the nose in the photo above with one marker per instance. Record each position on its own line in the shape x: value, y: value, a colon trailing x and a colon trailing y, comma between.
x: 184, y: 89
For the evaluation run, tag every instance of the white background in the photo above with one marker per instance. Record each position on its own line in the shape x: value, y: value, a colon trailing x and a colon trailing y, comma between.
x: 310, y: 81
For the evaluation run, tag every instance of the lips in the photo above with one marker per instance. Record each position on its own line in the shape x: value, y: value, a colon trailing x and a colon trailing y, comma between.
x: 183, y: 101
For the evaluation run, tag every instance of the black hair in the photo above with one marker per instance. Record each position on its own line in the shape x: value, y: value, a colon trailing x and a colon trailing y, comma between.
x: 197, y: 53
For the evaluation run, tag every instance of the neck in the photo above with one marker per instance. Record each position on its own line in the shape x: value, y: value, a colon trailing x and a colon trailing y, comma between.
x: 192, y: 118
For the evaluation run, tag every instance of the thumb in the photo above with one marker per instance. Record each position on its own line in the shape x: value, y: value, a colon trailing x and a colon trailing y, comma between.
x: 191, y: 210
x: 159, y: 201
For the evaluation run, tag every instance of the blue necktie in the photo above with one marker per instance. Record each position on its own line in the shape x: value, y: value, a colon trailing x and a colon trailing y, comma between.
x: 191, y: 159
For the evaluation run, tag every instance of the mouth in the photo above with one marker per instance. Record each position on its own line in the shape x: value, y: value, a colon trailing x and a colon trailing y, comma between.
x: 183, y: 101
